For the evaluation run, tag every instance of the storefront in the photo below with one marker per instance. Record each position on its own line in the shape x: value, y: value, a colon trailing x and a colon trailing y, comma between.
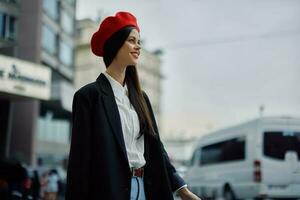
x: 22, y: 86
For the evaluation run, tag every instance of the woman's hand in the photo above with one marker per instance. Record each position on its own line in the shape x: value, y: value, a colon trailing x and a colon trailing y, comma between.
x: 186, y: 194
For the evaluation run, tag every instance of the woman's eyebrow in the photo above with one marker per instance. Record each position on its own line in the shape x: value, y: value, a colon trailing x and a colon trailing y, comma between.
x: 133, y: 37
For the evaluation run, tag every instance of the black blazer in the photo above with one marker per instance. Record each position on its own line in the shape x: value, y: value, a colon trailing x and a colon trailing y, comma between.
x: 98, y: 165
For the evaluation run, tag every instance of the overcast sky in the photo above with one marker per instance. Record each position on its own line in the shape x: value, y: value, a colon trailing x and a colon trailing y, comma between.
x: 223, y: 58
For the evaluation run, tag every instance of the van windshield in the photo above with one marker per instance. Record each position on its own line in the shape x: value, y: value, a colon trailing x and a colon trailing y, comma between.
x: 276, y: 144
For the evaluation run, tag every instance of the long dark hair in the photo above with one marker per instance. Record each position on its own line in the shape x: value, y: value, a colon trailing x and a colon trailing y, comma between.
x: 136, y: 97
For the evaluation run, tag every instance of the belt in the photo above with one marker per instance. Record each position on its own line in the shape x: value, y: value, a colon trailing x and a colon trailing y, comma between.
x: 137, y: 172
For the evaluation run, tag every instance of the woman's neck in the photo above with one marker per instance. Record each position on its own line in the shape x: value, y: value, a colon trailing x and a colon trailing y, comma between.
x: 118, y: 73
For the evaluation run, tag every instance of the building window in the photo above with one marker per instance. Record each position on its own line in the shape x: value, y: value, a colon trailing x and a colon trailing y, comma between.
x: 7, y: 26
x: 2, y: 24
x: 11, y: 27
x: 65, y: 53
x: 67, y: 22
x: 49, y: 40
x: 10, y: 1
x: 53, y: 130
x: 72, y: 2
x: 51, y: 8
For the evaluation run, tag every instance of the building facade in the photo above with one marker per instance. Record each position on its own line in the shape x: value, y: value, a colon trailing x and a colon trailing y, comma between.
x: 9, y: 15
x: 151, y: 77
x: 87, y: 65
x: 43, y: 33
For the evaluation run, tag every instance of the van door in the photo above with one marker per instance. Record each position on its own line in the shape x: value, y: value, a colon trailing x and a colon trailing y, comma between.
x: 292, y: 159
x: 281, y: 165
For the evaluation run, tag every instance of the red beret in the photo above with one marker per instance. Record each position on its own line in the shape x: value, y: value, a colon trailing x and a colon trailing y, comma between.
x: 108, y: 27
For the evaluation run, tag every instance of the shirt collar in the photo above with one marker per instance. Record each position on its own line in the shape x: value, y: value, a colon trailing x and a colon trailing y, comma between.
x: 119, y: 90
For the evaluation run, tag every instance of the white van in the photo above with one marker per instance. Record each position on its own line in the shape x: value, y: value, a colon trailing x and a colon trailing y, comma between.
x: 259, y: 159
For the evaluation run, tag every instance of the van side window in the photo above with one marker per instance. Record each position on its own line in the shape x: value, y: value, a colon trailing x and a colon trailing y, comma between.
x: 194, y: 157
x: 225, y: 151
x: 277, y: 143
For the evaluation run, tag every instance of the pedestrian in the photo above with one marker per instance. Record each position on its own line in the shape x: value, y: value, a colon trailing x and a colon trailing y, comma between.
x: 43, y: 183
x: 52, y: 185
x: 116, y: 152
x: 35, y: 185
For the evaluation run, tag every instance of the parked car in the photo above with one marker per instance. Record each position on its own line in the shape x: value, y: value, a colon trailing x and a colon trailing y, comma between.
x: 257, y: 159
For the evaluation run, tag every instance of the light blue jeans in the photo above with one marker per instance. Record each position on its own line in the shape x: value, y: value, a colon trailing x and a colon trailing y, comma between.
x: 137, y: 189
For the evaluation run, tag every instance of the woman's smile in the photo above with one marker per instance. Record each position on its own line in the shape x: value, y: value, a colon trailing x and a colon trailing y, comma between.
x: 135, y: 54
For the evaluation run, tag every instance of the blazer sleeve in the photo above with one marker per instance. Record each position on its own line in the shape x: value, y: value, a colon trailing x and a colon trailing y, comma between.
x: 175, y: 180
x: 77, y: 187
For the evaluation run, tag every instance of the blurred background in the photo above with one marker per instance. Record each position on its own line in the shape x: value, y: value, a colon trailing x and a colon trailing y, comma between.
x: 205, y: 64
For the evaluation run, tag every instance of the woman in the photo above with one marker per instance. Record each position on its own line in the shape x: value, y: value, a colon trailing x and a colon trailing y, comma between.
x: 116, y: 153
x: 52, y: 185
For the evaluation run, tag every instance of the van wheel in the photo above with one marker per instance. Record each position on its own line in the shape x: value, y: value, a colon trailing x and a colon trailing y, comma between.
x: 228, y: 194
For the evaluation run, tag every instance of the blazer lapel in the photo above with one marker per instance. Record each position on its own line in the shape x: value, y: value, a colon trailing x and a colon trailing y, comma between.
x: 112, y: 111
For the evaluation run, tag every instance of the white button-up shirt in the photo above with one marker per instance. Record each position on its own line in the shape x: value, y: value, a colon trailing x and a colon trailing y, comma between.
x: 130, y: 124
